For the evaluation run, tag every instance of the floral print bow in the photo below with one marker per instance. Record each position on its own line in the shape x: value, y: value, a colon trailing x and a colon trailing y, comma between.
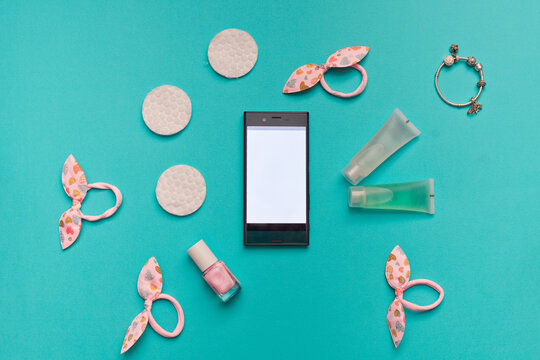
x: 398, y: 273
x: 76, y: 187
x: 149, y: 286
x: 307, y: 76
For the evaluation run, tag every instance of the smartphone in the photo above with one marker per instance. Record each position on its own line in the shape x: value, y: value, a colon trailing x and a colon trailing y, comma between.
x: 276, y: 181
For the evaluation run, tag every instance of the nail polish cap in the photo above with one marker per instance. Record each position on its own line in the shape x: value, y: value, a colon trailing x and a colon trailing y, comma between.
x: 202, y: 255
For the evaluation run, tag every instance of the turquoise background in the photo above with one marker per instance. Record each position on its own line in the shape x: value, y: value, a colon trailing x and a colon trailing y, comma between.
x: 73, y: 76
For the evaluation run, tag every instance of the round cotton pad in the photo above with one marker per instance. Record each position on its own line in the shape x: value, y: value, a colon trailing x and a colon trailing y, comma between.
x: 166, y: 110
x: 232, y: 53
x: 181, y: 190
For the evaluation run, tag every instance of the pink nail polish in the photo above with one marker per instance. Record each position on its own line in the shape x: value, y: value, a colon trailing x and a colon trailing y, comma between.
x: 215, y: 272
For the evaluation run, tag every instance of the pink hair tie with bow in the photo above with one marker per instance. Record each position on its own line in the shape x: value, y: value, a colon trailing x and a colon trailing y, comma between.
x: 149, y: 286
x: 398, y: 272
x: 307, y: 76
x: 76, y: 187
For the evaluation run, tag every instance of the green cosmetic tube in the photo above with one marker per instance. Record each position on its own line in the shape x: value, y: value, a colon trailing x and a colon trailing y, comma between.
x: 409, y: 196
x: 396, y: 132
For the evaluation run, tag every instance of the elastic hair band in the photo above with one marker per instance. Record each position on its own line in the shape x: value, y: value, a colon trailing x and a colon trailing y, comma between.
x: 76, y: 187
x: 398, y: 273
x: 307, y: 76
x: 149, y: 286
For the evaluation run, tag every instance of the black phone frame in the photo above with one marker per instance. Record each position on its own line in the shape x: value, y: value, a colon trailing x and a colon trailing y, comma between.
x: 284, y: 234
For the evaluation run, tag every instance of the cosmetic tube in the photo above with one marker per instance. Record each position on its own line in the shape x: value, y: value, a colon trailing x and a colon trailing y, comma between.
x: 396, y: 132
x: 409, y: 196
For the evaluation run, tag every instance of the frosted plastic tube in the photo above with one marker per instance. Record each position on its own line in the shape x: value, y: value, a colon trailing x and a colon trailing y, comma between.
x: 396, y: 132
x: 410, y: 196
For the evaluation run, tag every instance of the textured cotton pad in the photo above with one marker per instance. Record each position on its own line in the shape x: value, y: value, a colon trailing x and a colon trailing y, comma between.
x: 181, y: 190
x: 232, y: 53
x: 166, y: 110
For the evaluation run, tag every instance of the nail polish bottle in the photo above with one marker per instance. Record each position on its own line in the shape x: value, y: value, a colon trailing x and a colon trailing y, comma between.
x: 215, y: 272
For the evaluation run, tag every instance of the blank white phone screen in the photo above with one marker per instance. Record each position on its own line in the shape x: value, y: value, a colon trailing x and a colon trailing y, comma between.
x: 276, y: 174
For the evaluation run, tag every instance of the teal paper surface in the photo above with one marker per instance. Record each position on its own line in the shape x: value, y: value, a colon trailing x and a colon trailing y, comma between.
x: 73, y: 77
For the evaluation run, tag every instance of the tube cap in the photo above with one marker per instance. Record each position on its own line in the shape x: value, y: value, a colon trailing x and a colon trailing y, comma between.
x: 202, y: 255
x: 354, y: 173
x: 357, y: 196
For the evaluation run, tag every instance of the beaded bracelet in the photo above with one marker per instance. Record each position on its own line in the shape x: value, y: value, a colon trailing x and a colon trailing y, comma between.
x: 471, y: 61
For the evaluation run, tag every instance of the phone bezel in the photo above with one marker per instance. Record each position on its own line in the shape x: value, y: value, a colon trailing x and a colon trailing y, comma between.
x: 272, y: 234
